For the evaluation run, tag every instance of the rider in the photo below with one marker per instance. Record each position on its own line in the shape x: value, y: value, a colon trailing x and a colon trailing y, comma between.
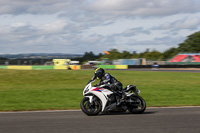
x: 106, y: 78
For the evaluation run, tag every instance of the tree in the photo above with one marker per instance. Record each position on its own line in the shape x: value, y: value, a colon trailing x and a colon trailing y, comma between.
x: 191, y: 44
x: 114, y: 54
x: 125, y: 55
x: 153, y: 55
x: 169, y: 53
x: 88, y: 56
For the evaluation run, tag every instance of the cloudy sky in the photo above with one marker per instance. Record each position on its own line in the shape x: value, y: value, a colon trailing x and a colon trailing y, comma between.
x: 78, y: 26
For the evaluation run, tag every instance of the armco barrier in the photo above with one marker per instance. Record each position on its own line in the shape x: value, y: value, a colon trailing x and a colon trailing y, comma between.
x: 163, y: 66
x: 107, y: 66
x: 121, y: 66
x: 76, y: 67
x: 113, y: 66
x: 60, y: 67
x: 88, y: 66
x: 182, y: 63
x: 139, y: 66
x: 179, y: 66
x: 20, y: 67
x: 73, y: 67
x: 43, y: 67
x: 3, y: 67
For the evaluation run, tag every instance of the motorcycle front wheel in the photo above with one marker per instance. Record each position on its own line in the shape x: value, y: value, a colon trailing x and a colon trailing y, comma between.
x: 141, y: 105
x: 90, y: 108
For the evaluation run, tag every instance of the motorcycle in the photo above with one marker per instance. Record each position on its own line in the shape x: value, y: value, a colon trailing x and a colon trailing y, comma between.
x: 100, y: 99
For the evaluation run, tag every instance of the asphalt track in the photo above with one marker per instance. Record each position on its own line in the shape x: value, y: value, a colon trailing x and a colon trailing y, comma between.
x: 154, y: 120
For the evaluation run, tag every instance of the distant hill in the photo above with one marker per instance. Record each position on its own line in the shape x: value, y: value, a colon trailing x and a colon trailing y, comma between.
x: 41, y: 56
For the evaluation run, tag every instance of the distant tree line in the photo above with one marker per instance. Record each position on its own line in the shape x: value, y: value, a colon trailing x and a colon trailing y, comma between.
x: 89, y: 56
x: 190, y: 45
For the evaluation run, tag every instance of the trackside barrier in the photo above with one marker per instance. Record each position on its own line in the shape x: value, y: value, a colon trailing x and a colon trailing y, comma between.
x: 182, y: 63
x: 121, y: 66
x: 3, y: 67
x: 60, y: 67
x: 163, y: 66
x: 77, y: 67
x: 20, y: 67
x: 42, y: 67
x: 107, y: 66
x: 73, y: 67
x: 113, y: 66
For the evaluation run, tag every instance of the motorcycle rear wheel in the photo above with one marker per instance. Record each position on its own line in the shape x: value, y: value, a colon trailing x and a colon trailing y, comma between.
x: 90, y: 109
x: 137, y: 109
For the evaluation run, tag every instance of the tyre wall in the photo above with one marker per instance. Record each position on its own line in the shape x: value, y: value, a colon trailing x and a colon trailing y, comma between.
x: 21, y: 67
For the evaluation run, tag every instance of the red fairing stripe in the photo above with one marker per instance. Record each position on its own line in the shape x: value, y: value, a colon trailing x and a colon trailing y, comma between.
x: 97, y: 89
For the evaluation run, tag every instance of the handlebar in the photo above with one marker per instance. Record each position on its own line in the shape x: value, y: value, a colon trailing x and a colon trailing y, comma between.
x: 105, y: 85
x: 90, y: 81
x: 102, y: 86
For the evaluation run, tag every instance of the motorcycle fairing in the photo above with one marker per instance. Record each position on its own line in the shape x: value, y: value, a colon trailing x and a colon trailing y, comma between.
x: 101, y: 93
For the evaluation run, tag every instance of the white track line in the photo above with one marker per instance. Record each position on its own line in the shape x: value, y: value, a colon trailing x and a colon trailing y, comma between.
x: 51, y: 111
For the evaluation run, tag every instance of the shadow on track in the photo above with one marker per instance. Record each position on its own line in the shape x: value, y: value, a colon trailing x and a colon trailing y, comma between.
x: 127, y: 113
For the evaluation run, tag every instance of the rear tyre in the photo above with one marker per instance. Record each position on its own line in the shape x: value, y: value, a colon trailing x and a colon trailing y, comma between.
x: 90, y: 108
x: 141, y: 105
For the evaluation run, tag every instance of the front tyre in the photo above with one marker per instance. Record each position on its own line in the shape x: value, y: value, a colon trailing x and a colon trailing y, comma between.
x: 139, y: 106
x: 90, y: 108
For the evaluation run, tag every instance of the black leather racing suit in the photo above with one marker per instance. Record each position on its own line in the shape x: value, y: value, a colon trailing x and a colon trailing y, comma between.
x: 115, y: 85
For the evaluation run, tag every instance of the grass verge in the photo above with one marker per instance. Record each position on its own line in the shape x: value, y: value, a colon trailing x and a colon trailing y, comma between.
x: 62, y: 89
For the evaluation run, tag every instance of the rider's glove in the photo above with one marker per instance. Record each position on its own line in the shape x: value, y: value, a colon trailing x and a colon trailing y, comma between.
x: 98, y: 84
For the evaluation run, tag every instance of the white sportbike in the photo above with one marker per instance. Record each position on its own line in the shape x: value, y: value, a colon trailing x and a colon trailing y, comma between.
x: 101, y: 99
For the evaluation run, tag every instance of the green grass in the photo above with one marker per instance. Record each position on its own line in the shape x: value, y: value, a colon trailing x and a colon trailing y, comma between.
x: 62, y: 89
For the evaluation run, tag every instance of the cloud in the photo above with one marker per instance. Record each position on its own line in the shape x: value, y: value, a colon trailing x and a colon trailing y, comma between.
x: 54, y: 27
x: 36, y: 6
x: 185, y: 23
x: 76, y: 26
x: 109, y: 7
x: 160, y: 44
x: 66, y: 37
x: 134, y: 31
x: 145, y: 7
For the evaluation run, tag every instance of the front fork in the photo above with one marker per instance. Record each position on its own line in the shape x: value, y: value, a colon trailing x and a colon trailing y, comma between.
x: 91, y: 99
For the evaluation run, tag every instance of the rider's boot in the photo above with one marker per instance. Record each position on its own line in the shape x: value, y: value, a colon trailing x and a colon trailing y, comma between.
x: 118, y: 102
x: 120, y: 98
